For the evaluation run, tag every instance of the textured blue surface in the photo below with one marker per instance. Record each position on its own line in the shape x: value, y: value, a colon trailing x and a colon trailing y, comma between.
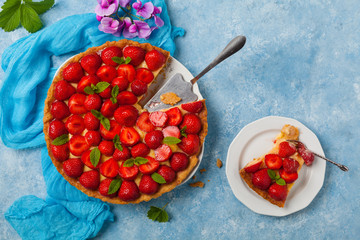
x: 301, y: 60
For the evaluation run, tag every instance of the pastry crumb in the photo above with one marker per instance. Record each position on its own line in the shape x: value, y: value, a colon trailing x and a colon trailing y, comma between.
x: 194, y: 177
x: 202, y: 170
x: 219, y: 163
x: 197, y: 184
x: 208, y: 180
x: 170, y: 98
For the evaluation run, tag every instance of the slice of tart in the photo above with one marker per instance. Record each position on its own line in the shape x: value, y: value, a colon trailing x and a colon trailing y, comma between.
x: 273, y: 174
x: 102, y: 141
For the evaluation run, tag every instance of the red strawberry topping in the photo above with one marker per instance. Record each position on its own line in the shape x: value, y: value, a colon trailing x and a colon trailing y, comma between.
x: 75, y: 124
x: 190, y: 144
x: 85, y: 158
x: 288, y: 177
x: 144, y: 75
x: 278, y: 192
x: 128, y: 173
x: 306, y: 154
x: 136, y: 54
x: 179, y: 161
x: 126, y: 115
x: 76, y: 103
x: 290, y: 165
x: 163, y: 153
x: 107, y: 148
x: 90, y: 179
x: 158, y: 119
x: 154, y: 60
x: 104, y: 188
x: 147, y: 185
x: 193, y: 107
x: 126, y: 98
x: 154, y: 139
x: 78, y: 145
x: 106, y: 93
x: 59, y: 110
x: 108, y: 53
x: 143, y: 122
x: 140, y: 150
x: 252, y: 167
x: 91, y: 122
x: 129, y: 136
x: 60, y: 152
x: 138, y: 87
x: 129, y: 191
x: 286, y: 149
x: 167, y: 173
x: 127, y: 71
x: 192, y: 123
x: 171, y: 131
x: 115, y: 128
x: 91, y: 63
x: 261, y: 179
x: 121, y: 82
x: 86, y: 81
x: 73, y: 167
x: 174, y: 115
x: 63, y: 90
x: 108, y: 108
x: 273, y: 161
x: 92, y: 101
x: 109, y: 168
x: 93, y: 138
x: 106, y: 73
x: 151, y: 166
x: 121, y: 155
x: 73, y: 72
x: 56, y: 129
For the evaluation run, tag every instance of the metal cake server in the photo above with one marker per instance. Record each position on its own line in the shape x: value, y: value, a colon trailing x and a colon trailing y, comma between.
x: 182, y: 88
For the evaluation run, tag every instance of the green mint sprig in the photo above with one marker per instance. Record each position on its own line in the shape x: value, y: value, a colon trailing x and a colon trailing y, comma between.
x: 98, y: 88
x: 120, y: 60
x: 158, y: 214
x: 103, y: 120
x: 272, y: 174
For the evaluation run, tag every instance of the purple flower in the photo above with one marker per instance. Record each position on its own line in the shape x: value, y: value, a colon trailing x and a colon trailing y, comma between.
x: 145, y: 10
x: 136, y: 29
x: 106, y: 7
x: 110, y: 25
x: 124, y: 3
x: 129, y: 33
x: 158, y: 21
x: 99, y: 18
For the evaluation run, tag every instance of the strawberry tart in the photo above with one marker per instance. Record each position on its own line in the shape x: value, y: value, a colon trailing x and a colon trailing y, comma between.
x: 103, y: 142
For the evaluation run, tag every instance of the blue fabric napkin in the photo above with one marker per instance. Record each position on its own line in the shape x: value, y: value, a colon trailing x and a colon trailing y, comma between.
x: 66, y: 213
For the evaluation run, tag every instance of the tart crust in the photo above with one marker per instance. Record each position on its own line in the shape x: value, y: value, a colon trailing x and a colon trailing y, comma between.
x: 163, y: 188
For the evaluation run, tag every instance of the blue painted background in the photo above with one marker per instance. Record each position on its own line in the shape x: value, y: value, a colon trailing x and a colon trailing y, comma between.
x: 301, y: 60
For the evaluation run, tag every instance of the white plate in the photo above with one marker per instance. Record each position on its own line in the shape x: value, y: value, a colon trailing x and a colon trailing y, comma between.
x: 255, y: 140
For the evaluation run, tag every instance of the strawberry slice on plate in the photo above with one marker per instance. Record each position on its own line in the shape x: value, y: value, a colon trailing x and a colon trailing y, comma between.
x: 252, y: 167
x: 286, y: 149
x: 288, y: 177
x: 273, y: 161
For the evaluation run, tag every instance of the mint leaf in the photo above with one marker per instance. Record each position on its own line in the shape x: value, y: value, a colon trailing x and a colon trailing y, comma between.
x: 101, y: 86
x: 140, y: 160
x: 97, y: 114
x: 281, y: 182
x: 158, y: 214
x: 40, y: 7
x: 30, y: 19
x: 117, y: 142
x: 127, y: 60
x: 95, y: 156
x: 272, y: 174
x: 60, y: 140
x: 118, y: 60
x: 10, y: 15
x: 182, y: 131
x: 158, y: 178
x: 171, y: 140
x: 129, y: 162
x: 114, y: 186
x: 106, y: 123
x: 114, y: 93
x: 88, y: 90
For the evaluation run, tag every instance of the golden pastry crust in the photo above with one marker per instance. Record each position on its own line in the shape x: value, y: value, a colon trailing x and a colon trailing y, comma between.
x: 193, y: 160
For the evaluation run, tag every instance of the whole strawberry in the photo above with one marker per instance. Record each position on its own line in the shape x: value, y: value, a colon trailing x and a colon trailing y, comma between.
x: 91, y: 63
x: 73, y: 167
x: 129, y: 191
x: 90, y: 179
x: 73, y: 72
x: 261, y: 179
x: 104, y: 188
x: 148, y: 185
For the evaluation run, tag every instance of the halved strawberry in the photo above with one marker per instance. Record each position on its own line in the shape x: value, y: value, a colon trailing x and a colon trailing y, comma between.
x: 121, y: 82
x: 306, y: 154
x: 108, y: 53
x: 286, y: 149
x: 252, y: 167
x: 167, y: 173
x: 192, y: 123
x: 179, y: 161
x: 278, y: 192
x: 91, y: 63
x: 143, y: 122
x: 288, y: 177
x: 85, y: 158
x: 154, y: 139
x: 108, y: 108
x: 151, y: 166
x: 171, y: 131
x: 109, y: 168
x: 137, y: 54
x: 290, y: 165
x: 129, y: 136
x: 147, y: 185
x: 140, y: 150
x: 128, y: 173
x: 126, y: 98
x: 106, y: 93
x: 163, y: 153
x: 154, y: 59
x: 127, y: 71
x: 273, y: 161
x: 122, y: 155
x: 63, y: 90
x: 78, y: 145
x: 60, y: 152
x: 93, y: 138
x: 104, y: 188
x: 193, y: 107
x: 128, y: 191
x: 91, y: 122
x: 190, y: 144
x: 59, y: 110
x: 76, y: 103
x: 144, y: 75
x: 56, y: 129
x: 106, y: 73
x: 115, y: 128
x: 126, y: 115
x: 138, y: 87
x: 73, y: 167
x: 93, y: 101
x: 86, y: 81
x: 158, y: 119
x: 90, y: 179
x: 261, y: 179
x: 106, y: 147
x: 174, y: 115
x: 73, y: 72
x: 75, y: 124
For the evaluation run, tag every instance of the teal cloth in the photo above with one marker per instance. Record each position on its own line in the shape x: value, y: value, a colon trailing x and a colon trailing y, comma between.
x: 66, y: 213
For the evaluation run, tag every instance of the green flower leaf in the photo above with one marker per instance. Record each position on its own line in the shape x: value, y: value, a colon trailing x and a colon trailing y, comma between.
x: 117, y: 142
x: 272, y: 174
x: 158, y: 214
x: 95, y: 156
x: 127, y: 60
x: 10, y: 15
x: 118, y: 60
x: 114, y: 93
x: 114, y: 186
x: 129, y: 163
x: 61, y: 140
x: 40, y: 7
x: 158, y: 178
x: 140, y: 160
x: 101, y: 86
x: 30, y: 19
x: 106, y: 123
x: 97, y: 114
x: 88, y: 90
x: 281, y: 182
x: 171, y: 140
x: 182, y: 131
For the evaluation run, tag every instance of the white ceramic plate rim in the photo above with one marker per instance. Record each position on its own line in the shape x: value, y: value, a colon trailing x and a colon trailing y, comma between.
x: 306, y: 187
